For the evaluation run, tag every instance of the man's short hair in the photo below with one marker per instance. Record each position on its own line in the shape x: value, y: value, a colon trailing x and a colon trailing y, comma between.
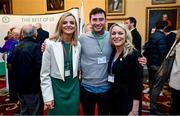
x: 132, y: 20
x: 96, y: 11
x: 29, y: 31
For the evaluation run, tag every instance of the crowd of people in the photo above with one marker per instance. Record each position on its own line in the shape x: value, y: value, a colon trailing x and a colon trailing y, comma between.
x: 103, y: 68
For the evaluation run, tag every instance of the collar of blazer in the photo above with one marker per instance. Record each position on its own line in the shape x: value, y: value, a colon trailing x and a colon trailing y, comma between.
x: 59, y: 56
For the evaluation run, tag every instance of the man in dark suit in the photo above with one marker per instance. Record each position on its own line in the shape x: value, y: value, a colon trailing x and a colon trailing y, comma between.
x: 131, y: 23
x: 26, y: 66
x: 42, y: 34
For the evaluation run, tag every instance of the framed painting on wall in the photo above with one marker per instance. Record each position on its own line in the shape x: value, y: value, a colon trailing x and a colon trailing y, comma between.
x: 115, y: 7
x: 163, y: 1
x: 110, y: 22
x: 155, y: 14
x: 53, y: 5
x: 5, y: 7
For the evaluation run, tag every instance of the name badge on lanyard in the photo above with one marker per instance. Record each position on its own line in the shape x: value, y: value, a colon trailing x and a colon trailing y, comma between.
x: 67, y: 73
x: 111, y: 78
x: 101, y: 60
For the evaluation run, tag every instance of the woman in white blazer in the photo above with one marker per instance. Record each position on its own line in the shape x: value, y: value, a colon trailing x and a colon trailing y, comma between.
x: 174, y: 82
x: 59, y: 81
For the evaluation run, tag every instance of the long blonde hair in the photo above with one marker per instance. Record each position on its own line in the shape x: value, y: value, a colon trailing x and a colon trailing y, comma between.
x: 128, y: 47
x: 58, y: 31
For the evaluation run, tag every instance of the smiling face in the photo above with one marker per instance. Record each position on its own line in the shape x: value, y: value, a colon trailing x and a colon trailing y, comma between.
x: 118, y: 36
x: 98, y: 22
x: 68, y: 25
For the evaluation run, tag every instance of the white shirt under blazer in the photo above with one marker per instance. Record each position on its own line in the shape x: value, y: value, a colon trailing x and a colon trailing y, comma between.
x: 53, y: 66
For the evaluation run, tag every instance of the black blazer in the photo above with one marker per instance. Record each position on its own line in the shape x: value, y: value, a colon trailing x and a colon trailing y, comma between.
x: 26, y: 66
x: 127, y: 84
x: 136, y: 39
x: 42, y: 35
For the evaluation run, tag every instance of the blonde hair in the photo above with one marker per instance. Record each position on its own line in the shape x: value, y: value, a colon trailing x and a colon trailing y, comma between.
x: 128, y: 46
x: 58, y: 31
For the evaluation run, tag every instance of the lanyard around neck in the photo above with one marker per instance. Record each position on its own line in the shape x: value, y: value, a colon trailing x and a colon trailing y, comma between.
x: 65, y: 53
x: 99, y: 45
x: 101, y: 37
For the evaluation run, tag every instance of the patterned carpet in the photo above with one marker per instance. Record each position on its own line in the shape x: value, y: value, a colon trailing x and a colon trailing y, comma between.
x: 6, y: 107
x: 163, y: 101
x: 9, y: 108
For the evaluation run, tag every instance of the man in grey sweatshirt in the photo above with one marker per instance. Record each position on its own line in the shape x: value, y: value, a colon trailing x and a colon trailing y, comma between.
x: 95, y: 52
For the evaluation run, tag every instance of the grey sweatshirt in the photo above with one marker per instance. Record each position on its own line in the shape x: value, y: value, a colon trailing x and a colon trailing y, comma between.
x: 94, y: 74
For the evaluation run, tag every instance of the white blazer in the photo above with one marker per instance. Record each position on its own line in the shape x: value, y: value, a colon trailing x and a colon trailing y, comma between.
x: 53, y: 66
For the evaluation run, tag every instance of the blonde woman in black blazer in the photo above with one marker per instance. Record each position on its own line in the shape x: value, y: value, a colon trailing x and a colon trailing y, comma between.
x: 125, y: 73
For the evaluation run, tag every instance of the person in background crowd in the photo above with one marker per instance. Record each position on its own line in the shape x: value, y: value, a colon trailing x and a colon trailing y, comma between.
x: 42, y: 34
x: 155, y: 52
x: 125, y: 73
x: 9, y: 34
x: 59, y: 71
x: 174, y: 82
x: 95, y: 53
x: 170, y: 37
x: 11, y: 42
x: 158, y: 86
x: 26, y: 66
x: 131, y: 23
x: 88, y: 27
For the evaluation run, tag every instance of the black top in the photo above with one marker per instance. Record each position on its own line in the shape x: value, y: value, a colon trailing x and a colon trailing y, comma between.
x: 127, y: 82
x: 26, y: 66
x: 156, y: 48
x: 136, y: 39
x: 42, y: 35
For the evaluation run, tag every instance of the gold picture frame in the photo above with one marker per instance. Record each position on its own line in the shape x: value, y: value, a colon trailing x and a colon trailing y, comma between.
x: 115, y: 7
x: 55, y: 5
x: 163, y: 1
x: 154, y: 14
x: 110, y: 22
